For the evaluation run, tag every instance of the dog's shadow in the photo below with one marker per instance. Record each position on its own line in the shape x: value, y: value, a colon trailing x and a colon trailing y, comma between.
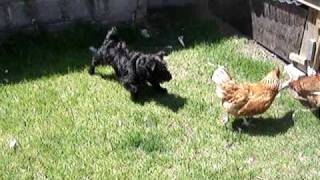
x: 265, y: 126
x: 108, y: 77
x: 172, y: 101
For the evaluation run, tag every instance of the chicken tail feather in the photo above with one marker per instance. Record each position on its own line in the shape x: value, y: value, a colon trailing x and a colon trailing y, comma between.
x: 220, y: 76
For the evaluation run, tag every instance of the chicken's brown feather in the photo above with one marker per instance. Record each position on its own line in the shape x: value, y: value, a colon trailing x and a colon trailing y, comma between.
x: 306, y: 87
x: 249, y: 99
x: 258, y: 103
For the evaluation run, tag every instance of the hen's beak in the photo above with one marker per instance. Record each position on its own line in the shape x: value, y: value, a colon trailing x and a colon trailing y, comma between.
x: 284, y: 85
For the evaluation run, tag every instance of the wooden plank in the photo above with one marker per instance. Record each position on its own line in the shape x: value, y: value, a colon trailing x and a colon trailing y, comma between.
x: 311, y: 50
x: 293, y: 72
x: 310, y: 31
x: 310, y: 37
x: 278, y: 26
x: 306, y: 59
x: 316, y: 62
x: 315, y: 4
x: 297, y: 58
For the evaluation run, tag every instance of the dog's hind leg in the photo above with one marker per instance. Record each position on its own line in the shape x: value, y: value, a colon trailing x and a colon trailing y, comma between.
x: 94, y: 61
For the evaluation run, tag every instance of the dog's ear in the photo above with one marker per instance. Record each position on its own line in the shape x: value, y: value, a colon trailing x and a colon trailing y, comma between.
x: 123, y: 45
x: 161, y: 54
x: 152, y: 66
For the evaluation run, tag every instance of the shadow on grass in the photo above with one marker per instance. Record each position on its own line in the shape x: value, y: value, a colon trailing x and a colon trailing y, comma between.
x: 108, y: 77
x: 314, y: 111
x: 172, y: 101
x: 266, y: 126
x: 26, y: 57
x: 29, y: 57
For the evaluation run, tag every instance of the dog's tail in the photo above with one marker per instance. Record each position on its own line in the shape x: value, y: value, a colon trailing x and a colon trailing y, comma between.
x: 111, y: 35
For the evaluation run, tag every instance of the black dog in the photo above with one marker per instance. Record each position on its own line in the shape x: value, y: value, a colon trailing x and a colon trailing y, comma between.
x: 133, y: 69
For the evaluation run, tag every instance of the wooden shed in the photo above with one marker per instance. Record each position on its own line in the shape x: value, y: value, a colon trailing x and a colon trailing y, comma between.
x: 309, y: 53
x: 278, y: 25
x: 289, y: 29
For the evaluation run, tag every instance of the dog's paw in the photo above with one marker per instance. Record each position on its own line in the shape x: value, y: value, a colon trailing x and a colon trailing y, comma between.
x: 162, y: 90
x: 159, y: 89
x: 134, y: 96
x: 91, y: 71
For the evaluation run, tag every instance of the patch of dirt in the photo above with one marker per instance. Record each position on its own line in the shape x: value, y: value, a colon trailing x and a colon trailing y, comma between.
x: 256, y: 51
x: 251, y: 47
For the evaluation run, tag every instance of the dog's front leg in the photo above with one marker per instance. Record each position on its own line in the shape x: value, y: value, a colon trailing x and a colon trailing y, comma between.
x: 92, y: 67
x: 158, y: 88
x: 133, y: 89
x: 129, y: 81
x: 129, y: 84
x: 91, y: 70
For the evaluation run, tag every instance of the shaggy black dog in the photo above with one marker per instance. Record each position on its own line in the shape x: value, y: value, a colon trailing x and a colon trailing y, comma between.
x: 133, y: 69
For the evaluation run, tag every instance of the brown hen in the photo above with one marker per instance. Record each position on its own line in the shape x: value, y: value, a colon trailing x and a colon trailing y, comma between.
x: 248, y: 99
x: 307, y: 89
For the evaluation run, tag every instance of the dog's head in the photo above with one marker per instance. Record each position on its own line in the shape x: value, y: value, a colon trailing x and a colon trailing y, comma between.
x: 158, y: 67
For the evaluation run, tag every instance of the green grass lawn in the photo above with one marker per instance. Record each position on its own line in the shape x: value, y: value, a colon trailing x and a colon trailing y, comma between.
x: 72, y: 125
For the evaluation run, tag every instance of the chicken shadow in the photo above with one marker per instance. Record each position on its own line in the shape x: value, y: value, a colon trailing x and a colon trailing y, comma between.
x: 314, y: 111
x: 172, y: 101
x: 265, y: 126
